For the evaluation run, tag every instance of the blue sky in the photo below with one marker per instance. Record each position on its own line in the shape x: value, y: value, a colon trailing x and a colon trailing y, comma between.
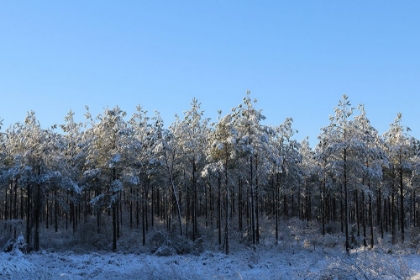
x: 297, y: 57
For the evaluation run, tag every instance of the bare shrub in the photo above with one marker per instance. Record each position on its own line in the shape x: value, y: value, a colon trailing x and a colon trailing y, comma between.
x: 332, y: 227
x: 329, y: 241
x: 165, y: 251
x: 368, y: 265
x: 181, y: 244
x: 156, y: 239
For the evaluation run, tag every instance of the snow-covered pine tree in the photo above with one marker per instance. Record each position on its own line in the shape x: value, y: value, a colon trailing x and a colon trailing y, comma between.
x: 252, y: 144
x: 167, y: 153
x: 310, y: 179
x: 398, y: 148
x: 71, y: 162
x: 107, y: 161
x: 337, y: 139
x: 34, y: 151
x: 141, y: 167
x: 285, y: 158
x: 192, y: 136
x: 222, y: 154
x: 367, y: 146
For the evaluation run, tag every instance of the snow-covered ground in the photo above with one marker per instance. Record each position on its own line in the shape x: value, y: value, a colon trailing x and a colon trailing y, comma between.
x: 266, y: 262
x: 302, y: 253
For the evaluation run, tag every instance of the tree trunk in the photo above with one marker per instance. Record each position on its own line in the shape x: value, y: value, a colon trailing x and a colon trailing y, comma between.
x: 414, y: 209
x: 227, y: 249
x: 379, y: 216
x: 358, y: 212
x: 178, y: 207
x: 257, y: 203
x: 55, y: 211
x: 401, y: 202
x: 153, y: 206
x: 393, y: 219
x: 195, y: 199
x: 28, y: 215
x: 254, y: 241
x: 219, y: 208
x: 371, y: 222
x: 211, y: 204
x: 346, y: 215
x: 277, y: 200
x: 323, y: 205
x: 240, y: 205
x: 131, y: 207
x: 364, y: 219
x: 114, y: 215
x: 37, y: 214
x: 143, y: 217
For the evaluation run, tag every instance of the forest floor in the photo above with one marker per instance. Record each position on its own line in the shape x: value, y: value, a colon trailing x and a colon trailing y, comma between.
x: 263, y: 263
x: 300, y: 254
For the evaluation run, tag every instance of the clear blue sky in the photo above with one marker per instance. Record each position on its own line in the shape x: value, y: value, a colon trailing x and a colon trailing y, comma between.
x: 297, y: 57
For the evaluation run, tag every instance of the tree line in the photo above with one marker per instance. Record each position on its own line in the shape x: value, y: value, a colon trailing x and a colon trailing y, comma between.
x: 193, y: 174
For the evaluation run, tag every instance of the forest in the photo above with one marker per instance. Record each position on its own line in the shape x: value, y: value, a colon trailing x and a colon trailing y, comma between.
x: 235, y: 177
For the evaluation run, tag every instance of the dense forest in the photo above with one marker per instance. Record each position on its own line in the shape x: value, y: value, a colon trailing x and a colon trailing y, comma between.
x: 232, y: 176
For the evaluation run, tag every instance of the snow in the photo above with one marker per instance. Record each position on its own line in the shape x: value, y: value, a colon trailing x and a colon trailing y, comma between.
x: 264, y: 262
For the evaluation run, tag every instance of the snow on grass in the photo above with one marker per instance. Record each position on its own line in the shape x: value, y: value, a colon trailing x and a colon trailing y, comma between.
x: 265, y: 262
x: 301, y: 253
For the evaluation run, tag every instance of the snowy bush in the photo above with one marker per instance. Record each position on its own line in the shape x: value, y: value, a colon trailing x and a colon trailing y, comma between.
x: 181, y: 244
x: 329, y: 241
x: 165, y: 251
x: 16, y: 246
x: 156, y: 239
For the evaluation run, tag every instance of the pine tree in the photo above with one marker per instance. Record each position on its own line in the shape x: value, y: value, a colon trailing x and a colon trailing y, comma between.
x: 398, y: 147
x: 192, y: 137
x: 106, y: 162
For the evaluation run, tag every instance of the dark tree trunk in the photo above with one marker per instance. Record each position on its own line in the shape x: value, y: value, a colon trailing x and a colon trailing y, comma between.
x: 401, y: 202
x: 15, y: 208
x: 277, y: 200
x: 240, y: 205
x: 219, y: 208
x: 55, y: 211
x: 285, y: 210
x: 393, y: 219
x: 47, y: 211
x: 414, y: 208
x: 131, y: 207
x: 364, y: 219
x: 211, y: 205
x: 114, y: 227
x: 28, y: 215
x: 206, y: 213
x: 257, y: 203
x: 346, y: 214
x: 188, y: 216
x: 358, y: 212
x: 227, y: 248
x: 254, y: 241
x: 143, y: 217
x: 379, y: 216
x: 371, y: 222
x: 22, y: 213
x: 37, y: 213
x: 153, y: 207
x: 138, y: 208
x: 194, y: 183
x: 6, y: 207
x: 114, y: 215
x: 342, y: 208
x: 323, y: 205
